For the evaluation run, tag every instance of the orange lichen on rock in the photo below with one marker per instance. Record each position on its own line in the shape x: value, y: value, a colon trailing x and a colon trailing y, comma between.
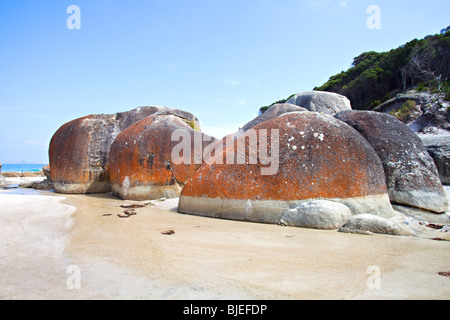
x: 79, y: 150
x: 320, y: 157
x: 141, y: 166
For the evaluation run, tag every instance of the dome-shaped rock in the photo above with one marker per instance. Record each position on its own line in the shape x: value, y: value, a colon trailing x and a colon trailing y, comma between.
x: 141, y: 162
x: 411, y: 174
x: 319, y: 158
x: 274, y: 111
x: 79, y: 150
x: 320, y: 101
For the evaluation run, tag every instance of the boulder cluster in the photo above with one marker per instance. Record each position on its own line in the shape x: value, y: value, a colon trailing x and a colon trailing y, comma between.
x: 81, y: 162
x: 335, y: 168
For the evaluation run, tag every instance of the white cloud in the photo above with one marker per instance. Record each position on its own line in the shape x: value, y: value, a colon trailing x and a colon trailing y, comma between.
x: 32, y: 142
x: 326, y: 3
x: 242, y: 102
x: 232, y: 83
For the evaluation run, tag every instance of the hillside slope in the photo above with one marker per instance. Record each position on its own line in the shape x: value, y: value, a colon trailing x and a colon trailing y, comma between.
x: 376, y: 77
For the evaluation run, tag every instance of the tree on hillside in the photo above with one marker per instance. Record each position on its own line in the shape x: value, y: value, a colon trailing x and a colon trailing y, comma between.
x: 375, y: 77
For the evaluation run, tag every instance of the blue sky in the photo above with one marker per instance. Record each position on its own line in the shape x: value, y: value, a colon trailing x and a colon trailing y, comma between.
x: 219, y: 59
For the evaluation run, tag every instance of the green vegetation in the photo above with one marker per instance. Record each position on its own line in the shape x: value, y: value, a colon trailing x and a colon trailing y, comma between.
x: 265, y: 108
x: 443, y: 87
x: 447, y: 90
x: 192, y: 124
x: 405, y: 110
x: 375, y: 77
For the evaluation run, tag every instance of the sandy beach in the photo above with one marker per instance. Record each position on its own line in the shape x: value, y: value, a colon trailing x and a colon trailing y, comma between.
x: 76, y: 247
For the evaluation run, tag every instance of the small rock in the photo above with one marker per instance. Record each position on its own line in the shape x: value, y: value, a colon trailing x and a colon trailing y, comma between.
x: 369, y: 224
x: 42, y: 185
x: 3, y: 182
x: 321, y: 214
x: 46, y: 171
x: 168, y: 232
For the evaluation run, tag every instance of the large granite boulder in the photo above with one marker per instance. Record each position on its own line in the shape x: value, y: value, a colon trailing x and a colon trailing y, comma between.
x: 313, y: 157
x: 274, y: 111
x: 79, y: 150
x: 411, y: 175
x: 320, y: 101
x: 142, y: 166
x: 438, y: 146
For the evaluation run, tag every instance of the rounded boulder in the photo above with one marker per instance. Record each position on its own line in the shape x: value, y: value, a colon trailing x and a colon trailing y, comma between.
x: 142, y: 164
x: 411, y: 174
x: 79, y: 150
x: 320, y: 101
x: 311, y: 156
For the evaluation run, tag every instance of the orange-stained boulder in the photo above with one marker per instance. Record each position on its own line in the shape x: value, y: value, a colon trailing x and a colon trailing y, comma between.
x: 320, y: 157
x: 411, y: 174
x: 141, y: 162
x: 79, y: 150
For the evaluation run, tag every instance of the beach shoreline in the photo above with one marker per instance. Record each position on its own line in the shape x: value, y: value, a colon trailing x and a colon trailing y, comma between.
x: 49, y: 242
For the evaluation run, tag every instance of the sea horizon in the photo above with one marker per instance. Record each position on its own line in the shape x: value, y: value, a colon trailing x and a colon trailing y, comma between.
x: 22, y: 167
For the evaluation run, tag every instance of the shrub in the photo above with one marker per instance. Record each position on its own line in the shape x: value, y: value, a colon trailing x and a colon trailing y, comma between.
x: 192, y: 124
x: 446, y: 89
x: 422, y: 87
x: 404, y: 111
x: 374, y: 104
x: 265, y: 108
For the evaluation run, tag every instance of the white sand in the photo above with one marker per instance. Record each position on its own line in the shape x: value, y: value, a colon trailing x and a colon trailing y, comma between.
x: 42, y: 235
x: 34, y: 231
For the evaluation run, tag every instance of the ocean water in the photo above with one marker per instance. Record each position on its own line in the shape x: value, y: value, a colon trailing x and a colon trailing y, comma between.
x: 22, y: 167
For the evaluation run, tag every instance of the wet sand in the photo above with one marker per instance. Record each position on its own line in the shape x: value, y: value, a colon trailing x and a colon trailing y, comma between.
x: 131, y: 258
